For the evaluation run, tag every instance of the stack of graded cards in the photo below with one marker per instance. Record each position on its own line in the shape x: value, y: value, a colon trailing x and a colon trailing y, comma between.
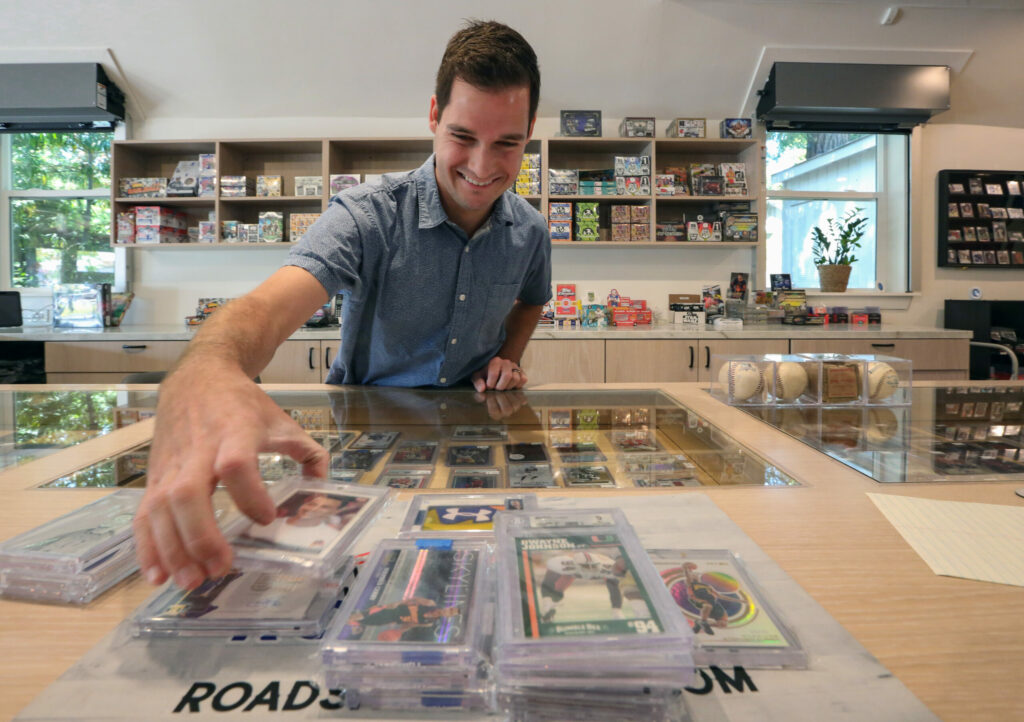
x: 584, y: 626
x: 289, y: 576
x: 75, y: 557
x: 412, y: 633
x: 732, y: 620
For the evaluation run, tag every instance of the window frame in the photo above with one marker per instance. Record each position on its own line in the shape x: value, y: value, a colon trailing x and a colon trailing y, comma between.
x: 894, y: 257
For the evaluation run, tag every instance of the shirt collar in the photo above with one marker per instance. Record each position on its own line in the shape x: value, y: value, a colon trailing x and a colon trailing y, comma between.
x: 432, y: 212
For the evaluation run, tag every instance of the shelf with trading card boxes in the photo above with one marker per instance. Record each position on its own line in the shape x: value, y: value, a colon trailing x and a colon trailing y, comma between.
x: 980, y: 219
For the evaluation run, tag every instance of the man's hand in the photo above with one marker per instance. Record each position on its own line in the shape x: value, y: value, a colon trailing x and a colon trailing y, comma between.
x: 501, y: 406
x: 500, y: 374
x: 211, y: 423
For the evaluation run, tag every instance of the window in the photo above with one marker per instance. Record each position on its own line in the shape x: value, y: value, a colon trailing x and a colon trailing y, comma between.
x: 55, y: 210
x: 812, y: 177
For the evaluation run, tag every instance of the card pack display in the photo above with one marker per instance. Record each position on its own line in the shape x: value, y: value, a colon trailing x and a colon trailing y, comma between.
x: 269, y: 185
x: 317, y: 523
x: 448, y: 515
x: 581, y: 610
x: 686, y: 128
x: 245, y: 602
x: 75, y: 557
x: 732, y: 621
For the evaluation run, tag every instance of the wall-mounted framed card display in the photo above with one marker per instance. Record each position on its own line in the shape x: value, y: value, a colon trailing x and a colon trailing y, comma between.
x: 981, y: 219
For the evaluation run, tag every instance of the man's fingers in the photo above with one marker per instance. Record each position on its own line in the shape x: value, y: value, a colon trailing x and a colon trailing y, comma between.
x: 173, y: 557
x: 145, y: 549
x: 479, y: 383
x: 196, y: 525
x: 237, y: 467
x: 303, y: 449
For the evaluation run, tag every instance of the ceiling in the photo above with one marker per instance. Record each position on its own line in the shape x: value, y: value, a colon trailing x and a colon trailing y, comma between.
x: 359, y: 59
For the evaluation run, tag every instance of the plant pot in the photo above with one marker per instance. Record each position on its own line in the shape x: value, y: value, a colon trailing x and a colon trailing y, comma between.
x: 834, y: 278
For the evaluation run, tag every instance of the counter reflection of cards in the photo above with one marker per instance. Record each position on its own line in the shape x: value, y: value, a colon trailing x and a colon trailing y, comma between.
x: 579, y: 453
x: 532, y: 451
x: 308, y: 522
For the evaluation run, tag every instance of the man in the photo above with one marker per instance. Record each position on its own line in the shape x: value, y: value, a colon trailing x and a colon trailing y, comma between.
x: 445, y: 276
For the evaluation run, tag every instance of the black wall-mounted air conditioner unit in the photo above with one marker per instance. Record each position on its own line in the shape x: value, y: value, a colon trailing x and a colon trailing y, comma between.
x: 852, y: 96
x: 39, y: 97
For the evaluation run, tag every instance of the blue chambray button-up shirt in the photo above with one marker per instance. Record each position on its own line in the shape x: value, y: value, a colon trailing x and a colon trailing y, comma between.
x: 425, y: 304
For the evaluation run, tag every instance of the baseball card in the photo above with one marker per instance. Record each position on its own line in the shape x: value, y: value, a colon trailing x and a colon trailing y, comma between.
x: 526, y: 452
x: 579, y: 452
x: 404, y: 478
x: 360, y: 459
x: 587, y: 476
x: 529, y: 476
x: 475, y: 479
x: 458, y: 516
x: 375, y: 440
x: 415, y: 452
x: 470, y: 455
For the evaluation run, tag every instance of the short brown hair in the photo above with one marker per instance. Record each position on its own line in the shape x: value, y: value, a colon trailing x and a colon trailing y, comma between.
x: 490, y: 56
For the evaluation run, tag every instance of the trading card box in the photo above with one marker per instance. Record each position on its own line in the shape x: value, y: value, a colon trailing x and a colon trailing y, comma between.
x: 77, y: 541
x: 245, y: 602
x: 448, y: 515
x: 560, y: 230
x: 480, y: 432
x: 735, y: 128
x: 561, y: 576
x: 316, y: 525
x: 343, y: 181
x: 580, y: 123
x: 415, y: 452
x: 268, y: 185
x: 417, y: 604
x: 636, y: 128
x: 185, y: 179
x: 530, y: 161
x: 732, y: 620
x: 271, y: 226
x: 309, y: 185
x: 559, y: 211
x: 469, y: 455
x: 403, y: 478
x: 686, y: 128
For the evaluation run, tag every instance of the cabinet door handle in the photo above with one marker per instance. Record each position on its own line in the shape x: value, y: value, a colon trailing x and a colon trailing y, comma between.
x: 707, y: 357
x: 311, y: 366
x: 327, y: 357
x: 883, y: 345
x: 691, y: 357
x: 133, y: 347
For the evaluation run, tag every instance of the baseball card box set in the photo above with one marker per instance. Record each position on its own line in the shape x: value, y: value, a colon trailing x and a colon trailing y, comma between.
x: 142, y: 188
x: 580, y: 123
x: 343, y: 181
x: 299, y: 223
x: 636, y: 128
x: 736, y: 128
x: 686, y: 128
x: 811, y: 379
x: 269, y: 185
x: 583, y: 614
x: 415, y: 626
x: 309, y: 185
x: 185, y: 179
x: 232, y: 186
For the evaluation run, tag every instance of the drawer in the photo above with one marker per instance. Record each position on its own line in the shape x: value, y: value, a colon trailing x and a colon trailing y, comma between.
x: 927, y: 354
x: 112, y: 356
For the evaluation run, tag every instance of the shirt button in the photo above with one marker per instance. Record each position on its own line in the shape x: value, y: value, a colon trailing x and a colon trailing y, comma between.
x: 443, y: 380
x: 454, y: 341
x: 462, y: 297
x: 466, y: 249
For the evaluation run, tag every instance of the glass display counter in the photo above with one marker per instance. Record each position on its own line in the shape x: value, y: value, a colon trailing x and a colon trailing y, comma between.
x: 963, y: 433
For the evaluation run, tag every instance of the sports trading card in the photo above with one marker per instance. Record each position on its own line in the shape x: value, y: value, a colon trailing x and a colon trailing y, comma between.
x: 983, y: 234
x: 415, y: 452
x: 999, y: 231
x: 975, y: 186
x: 345, y: 476
x: 953, y: 211
x: 526, y: 452
x: 963, y: 433
x: 404, y: 478
x: 998, y: 407
x: 966, y: 410
x: 416, y: 595
x: 309, y: 522
x: 980, y: 433
x: 665, y: 481
x: 475, y: 479
x: 581, y: 586
x: 956, y: 188
x: 990, y: 258
x: 1012, y: 431
x: 1017, y: 257
x: 527, y: 476
x: 996, y: 431
x: 241, y: 594
x: 1015, y: 212
x: 970, y: 233
x: 574, y: 519
x: 363, y: 459
x: 463, y: 517
x: 997, y: 212
x: 581, y: 476
x: 339, y: 441
x: 964, y: 256
x: 560, y: 419
x: 1013, y: 187
x: 630, y: 441
x: 967, y: 210
x: 984, y: 211
x: 953, y: 235
x: 375, y: 440
x: 587, y: 419
x: 1013, y: 407
x: 981, y: 410
x: 580, y: 453
x: 994, y: 189
x: 492, y: 432
x: 953, y: 409
x: 470, y: 455
x: 718, y: 600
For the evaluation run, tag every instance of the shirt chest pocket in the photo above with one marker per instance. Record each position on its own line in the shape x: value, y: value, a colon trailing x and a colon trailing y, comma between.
x: 500, y: 298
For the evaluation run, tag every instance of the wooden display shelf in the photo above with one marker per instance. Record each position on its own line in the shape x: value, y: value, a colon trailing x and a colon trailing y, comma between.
x: 199, y: 246
x: 168, y: 201
x: 660, y: 244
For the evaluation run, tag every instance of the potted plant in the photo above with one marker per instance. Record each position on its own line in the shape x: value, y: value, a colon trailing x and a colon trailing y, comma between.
x: 834, y: 248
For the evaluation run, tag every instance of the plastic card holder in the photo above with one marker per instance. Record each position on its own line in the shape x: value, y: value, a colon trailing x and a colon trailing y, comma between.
x: 75, y: 541
x: 458, y: 515
x: 414, y: 609
x: 245, y: 602
x: 316, y: 525
x: 82, y: 588
x: 731, y: 617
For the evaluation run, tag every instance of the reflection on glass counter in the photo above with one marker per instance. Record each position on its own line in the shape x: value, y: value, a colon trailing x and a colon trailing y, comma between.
x: 34, y: 424
x: 946, y: 434
x: 127, y: 469
x: 437, y: 439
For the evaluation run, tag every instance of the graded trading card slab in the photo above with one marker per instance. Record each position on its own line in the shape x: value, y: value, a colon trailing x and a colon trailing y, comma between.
x: 587, y: 476
x: 339, y: 440
x: 345, y: 476
x: 731, y: 619
x: 579, y: 452
x: 457, y: 514
x: 358, y: 459
x: 475, y: 479
x: 412, y: 605
x: 530, y: 452
x: 470, y: 455
x: 375, y: 440
x: 243, y: 602
x: 415, y: 452
x: 530, y: 476
x: 631, y: 441
x: 404, y: 478
x: 76, y: 541
x: 316, y: 524
x: 577, y: 585
x: 480, y: 432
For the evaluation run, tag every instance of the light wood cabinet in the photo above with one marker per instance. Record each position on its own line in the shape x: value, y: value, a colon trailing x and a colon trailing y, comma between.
x: 111, y: 357
x: 652, y: 360
x: 300, y: 362
x: 933, y: 358
x: 553, y: 361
